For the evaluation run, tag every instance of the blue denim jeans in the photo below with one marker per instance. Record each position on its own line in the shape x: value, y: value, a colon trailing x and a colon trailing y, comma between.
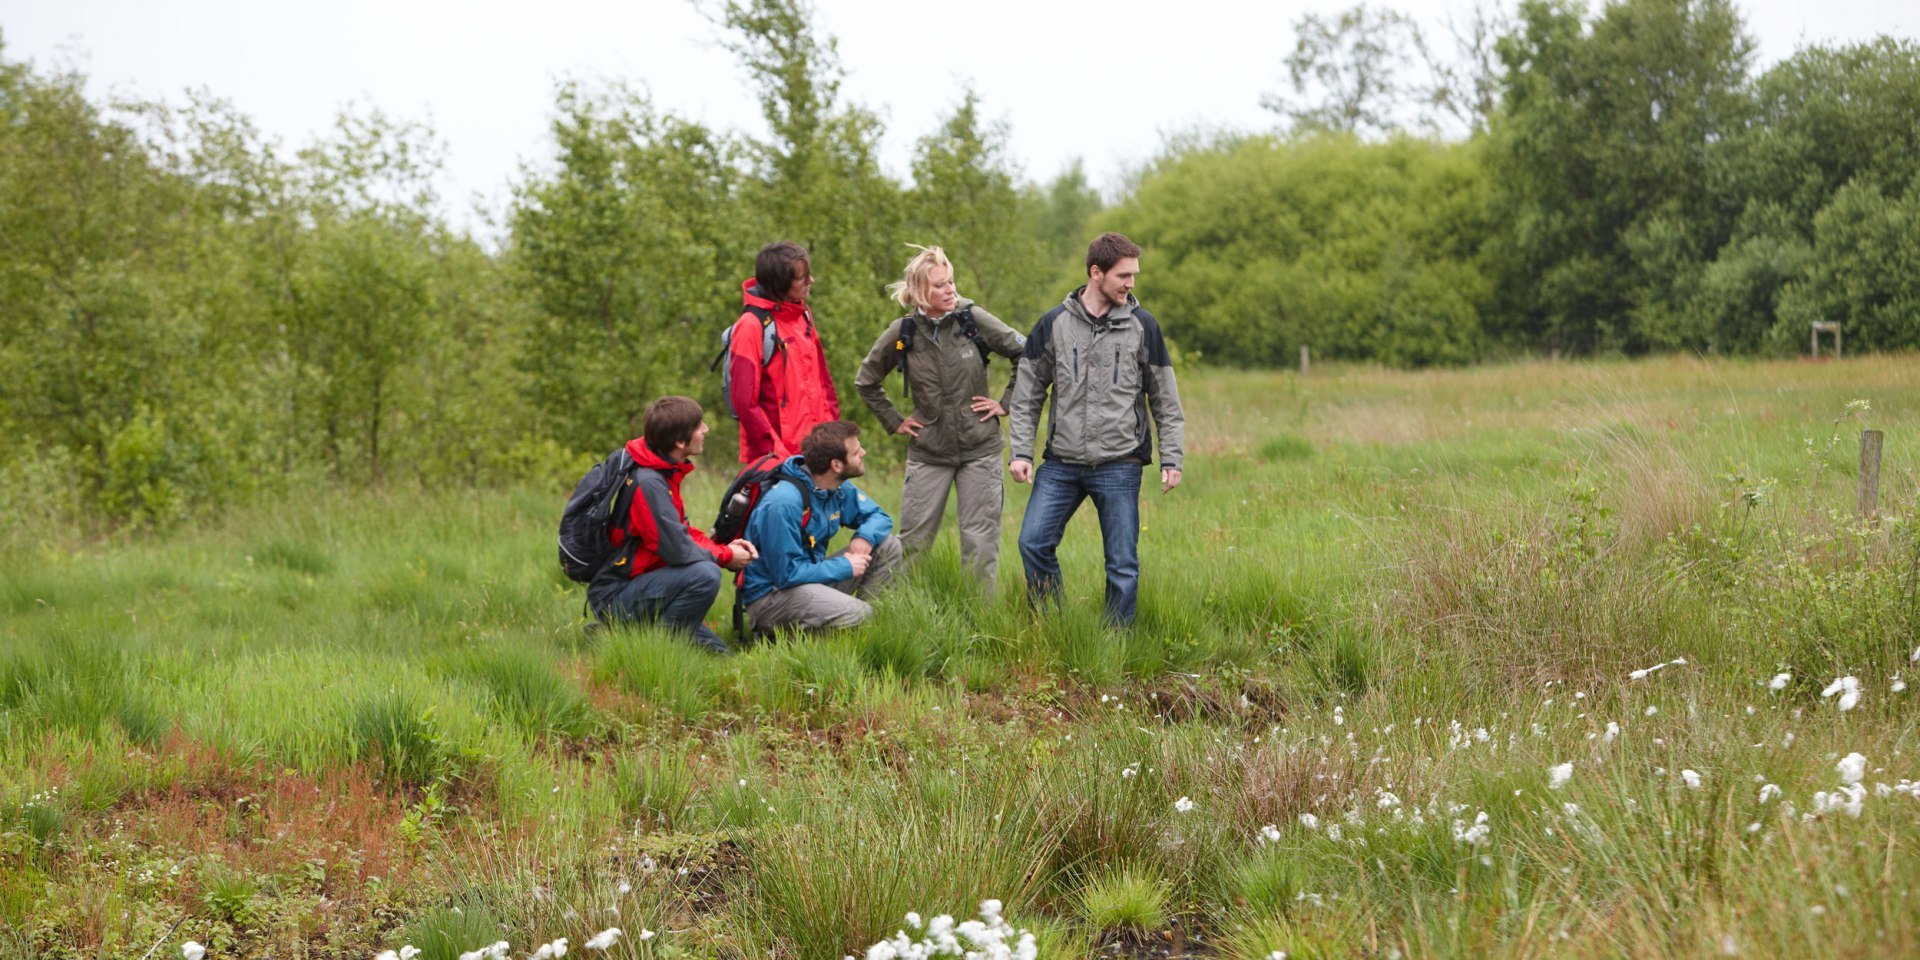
x: 1058, y: 489
x: 675, y: 597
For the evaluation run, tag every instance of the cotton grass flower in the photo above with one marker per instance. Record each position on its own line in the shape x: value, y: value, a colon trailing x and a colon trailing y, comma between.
x: 1557, y: 776
x: 1770, y: 792
x: 552, y: 951
x: 1692, y: 779
x: 1310, y: 821
x: 1848, y: 800
x: 1849, y: 690
x: 1851, y: 768
x: 1269, y: 834
x: 988, y: 938
x: 192, y: 950
x: 1779, y: 682
x: 1183, y: 805
x: 604, y: 940
x: 1475, y: 835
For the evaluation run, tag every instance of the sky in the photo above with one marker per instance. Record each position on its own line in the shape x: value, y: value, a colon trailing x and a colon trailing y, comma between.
x: 1103, y: 83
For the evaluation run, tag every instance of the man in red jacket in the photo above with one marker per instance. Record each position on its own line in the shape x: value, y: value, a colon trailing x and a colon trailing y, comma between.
x: 666, y: 570
x: 782, y: 394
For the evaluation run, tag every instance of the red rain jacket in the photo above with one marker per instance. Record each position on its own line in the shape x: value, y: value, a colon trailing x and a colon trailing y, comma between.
x: 778, y: 401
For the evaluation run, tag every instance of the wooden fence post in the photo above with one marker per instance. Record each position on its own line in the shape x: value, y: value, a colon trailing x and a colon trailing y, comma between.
x: 1305, y: 359
x: 1869, y: 474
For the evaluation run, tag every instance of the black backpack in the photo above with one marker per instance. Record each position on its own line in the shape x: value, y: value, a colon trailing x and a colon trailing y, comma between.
x: 601, y: 498
x: 903, y: 344
x: 749, y: 486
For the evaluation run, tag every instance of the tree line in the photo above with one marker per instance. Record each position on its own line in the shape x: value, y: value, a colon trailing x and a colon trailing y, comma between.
x: 192, y: 315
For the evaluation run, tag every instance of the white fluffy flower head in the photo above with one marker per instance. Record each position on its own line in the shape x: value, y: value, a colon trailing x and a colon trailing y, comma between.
x: 1557, y: 776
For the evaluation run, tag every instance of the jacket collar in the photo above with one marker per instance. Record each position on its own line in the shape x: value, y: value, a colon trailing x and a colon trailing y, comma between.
x: 644, y: 456
x: 1118, y: 315
x: 796, y: 467
x: 960, y: 304
x: 751, y: 295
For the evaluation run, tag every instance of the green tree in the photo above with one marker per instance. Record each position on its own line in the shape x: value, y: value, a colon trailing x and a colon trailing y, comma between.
x: 1602, y: 153
x: 626, y: 253
x: 1355, y: 73
x: 965, y: 199
x: 1362, y: 251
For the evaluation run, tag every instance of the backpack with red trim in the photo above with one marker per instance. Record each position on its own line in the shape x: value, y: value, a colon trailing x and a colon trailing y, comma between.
x: 749, y: 486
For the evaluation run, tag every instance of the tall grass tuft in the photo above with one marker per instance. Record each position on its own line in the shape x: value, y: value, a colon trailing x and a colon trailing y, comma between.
x: 1127, y: 898
x: 654, y: 786
x: 448, y: 932
x: 400, y: 737
x: 844, y: 874
x: 663, y: 667
x: 527, y: 691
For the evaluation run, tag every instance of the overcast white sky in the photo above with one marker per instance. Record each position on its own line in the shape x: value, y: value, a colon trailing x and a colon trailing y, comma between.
x: 1099, y: 81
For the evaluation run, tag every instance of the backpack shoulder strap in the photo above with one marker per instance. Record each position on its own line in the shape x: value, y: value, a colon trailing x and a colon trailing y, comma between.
x: 770, y: 342
x: 971, y: 330
x: 806, y: 507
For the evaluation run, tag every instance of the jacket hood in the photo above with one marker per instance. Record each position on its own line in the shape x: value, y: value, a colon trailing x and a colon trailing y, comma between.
x: 796, y: 467
x: 752, y: 295
x: 1120, y: 311
x: 644, y: 456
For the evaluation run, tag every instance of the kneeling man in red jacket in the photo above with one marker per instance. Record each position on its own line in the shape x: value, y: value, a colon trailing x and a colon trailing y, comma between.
x: 667, y: 570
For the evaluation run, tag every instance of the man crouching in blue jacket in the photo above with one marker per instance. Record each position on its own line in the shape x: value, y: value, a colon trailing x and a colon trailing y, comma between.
x: 794, y: 583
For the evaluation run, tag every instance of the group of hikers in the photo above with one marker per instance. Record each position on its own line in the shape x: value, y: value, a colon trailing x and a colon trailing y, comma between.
x: 1099, y: 355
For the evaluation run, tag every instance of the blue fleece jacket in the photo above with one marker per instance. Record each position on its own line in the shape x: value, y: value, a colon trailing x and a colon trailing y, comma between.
x: 790, y: 557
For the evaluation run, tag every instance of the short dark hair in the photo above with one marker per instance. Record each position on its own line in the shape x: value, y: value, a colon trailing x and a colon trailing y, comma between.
x: 826, y: 443
x: 774, y: 269
x: 669, y: 421
x: 1108, y: 249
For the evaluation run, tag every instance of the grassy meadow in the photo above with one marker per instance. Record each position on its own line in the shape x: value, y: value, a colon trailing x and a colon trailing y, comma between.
x: 1380, y: 619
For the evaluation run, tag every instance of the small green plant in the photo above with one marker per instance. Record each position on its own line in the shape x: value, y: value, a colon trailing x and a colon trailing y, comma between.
x: 230, y: 896
x: 527, y: 690
x: 1126, y: 899
x: 294, y: 555
x: 450, y: 931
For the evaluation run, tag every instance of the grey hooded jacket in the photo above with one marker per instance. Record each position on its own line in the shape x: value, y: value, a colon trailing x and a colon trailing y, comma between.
x: 1107, y: 374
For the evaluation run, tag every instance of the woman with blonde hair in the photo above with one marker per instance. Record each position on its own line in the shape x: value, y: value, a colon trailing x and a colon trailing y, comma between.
x: 941, y: 348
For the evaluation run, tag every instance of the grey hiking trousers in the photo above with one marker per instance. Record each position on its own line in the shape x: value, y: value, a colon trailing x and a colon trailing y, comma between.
x: 981, y: 493
x: 827, y: 606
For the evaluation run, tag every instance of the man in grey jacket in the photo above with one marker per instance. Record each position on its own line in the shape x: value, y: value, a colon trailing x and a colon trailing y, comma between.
x: 1105, y: 361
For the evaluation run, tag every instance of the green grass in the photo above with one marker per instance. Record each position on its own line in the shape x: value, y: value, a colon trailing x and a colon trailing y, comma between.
x: 1388, y: 602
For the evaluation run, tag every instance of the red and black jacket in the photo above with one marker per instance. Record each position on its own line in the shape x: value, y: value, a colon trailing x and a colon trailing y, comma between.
x: 658, y: 521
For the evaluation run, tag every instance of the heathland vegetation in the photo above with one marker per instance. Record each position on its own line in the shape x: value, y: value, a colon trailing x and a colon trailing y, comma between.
x: 1383, y: 618
x: 1536, y: 618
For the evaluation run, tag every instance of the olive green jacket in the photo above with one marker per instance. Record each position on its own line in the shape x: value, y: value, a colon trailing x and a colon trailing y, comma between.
x: 944, y: 374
